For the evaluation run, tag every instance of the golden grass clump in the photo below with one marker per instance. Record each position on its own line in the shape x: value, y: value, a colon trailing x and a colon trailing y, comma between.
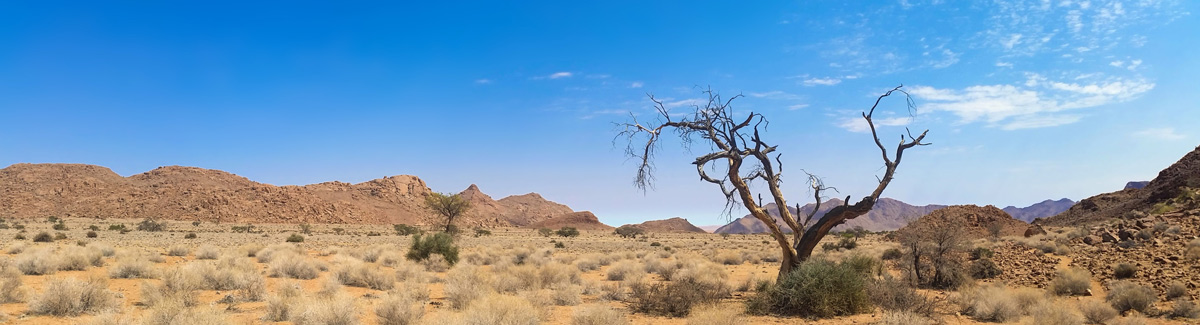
x: 904, y: 318
x: 72, y: 297
x: 208, y: 252
x: 1071, y: 282
x: 624, y: 270
x: 179, y: 250
x: 598, y: 314
x: 176, y: 313
x: 337, y: 310
x: 501, y: 309
x: 132, y: 267
x: 292, y: 265
x: 716, y: 315
x: 399, y: 309
x: 11, y: 289
x: 38, y: 261
x: 989, y: 303
x: 465, y: 284
x: 364, y: 275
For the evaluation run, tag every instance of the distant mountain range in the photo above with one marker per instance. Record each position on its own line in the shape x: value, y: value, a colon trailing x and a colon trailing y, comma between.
x: 888, y: 214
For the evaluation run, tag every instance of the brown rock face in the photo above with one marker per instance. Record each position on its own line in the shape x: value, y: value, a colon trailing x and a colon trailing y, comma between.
x: 972, y: 220
x: 676, y: 224
x: 190, y: 193
x: 583, y: 220
x: 1167, y: 185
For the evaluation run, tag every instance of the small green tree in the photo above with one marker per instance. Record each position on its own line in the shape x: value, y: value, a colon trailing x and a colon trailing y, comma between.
x: 449, y: 206
x: 568, y: 232
x: 628, y: 231
x: 545, y: 232
x: 405, y: 230
x: 439, y: 243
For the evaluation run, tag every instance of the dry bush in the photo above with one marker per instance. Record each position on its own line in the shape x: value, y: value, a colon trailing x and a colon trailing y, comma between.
x: 904, y: 318
x: 75, y: 258
x: 465, y: 284
x: 392, y: 258
x: 72, y: 297
x: 1028, y: 299
x: 1126, y: 295
x: 339, y: 310
x: 267, y: 254
x: 989, y: 303
x: 132, y: 268
x: 897, y: 296
x: 11, y: 290
x: 399, y: 309
x: 411, y: 272
x: 365, y: 275
x: 207, y: 252
x: 282, y: 304
x: 590, y: 262
x: 614, y: 292
x: 292, y: 265
x: 250, y: 249
x: 702, y: 271
x: 1124, y: 271
x: 251, y: 286
x: 108, y: 318
x: 567, y: 295
x: 598, y: 314
x: 556, y: 274
x: 674, y: 299
x: 1130, y: 320
x: 1072, y: 282
x: 175, y: 313
x: 1055, y: 312
x: 664, y: 267
x: 178, y: 250
x: 16, y: 248
x: 436, y: 263
x: 500, y: 309
x: 1175, y: 290
x: 38, y: 261
x: 105, y: 250
x: 624, y: 270
x: 1193, y: 250
x: 728, y: 258
x: 715, y: 315
x: 178, y: 285
x: 1096, y: 312
x: 1184, y: 308
x: 371, y: 254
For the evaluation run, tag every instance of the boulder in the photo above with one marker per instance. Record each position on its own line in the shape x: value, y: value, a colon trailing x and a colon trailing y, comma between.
x: 1034, y: 230
x: 1092, y: 240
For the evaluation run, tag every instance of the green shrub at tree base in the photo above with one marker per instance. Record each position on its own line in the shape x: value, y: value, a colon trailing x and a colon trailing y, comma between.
x: 439, y: 243
x: 817, y: 288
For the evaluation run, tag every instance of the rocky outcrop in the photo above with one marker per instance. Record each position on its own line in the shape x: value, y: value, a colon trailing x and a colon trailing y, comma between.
x: 888, y: 214
x: 582, y: 220
x: 1169, y: 184
x: 972, y: 221
x: 190, y: 193
x: 675, y: 224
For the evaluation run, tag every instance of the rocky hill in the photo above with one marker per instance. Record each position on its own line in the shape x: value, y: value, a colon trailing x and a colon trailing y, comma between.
x: 1042, y: 209
x: 583, y: 220
x: 1170, y: 183
x: 675, y: 224
x: 972, y: 221
x: 888, y: 214
x: 190, y: 193
x: 1136, y: 185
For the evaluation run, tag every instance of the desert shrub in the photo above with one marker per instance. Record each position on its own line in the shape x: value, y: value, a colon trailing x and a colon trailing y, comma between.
x: 399, y: 309
x: 567, y: 232
x: 897, y: 296
x: 983, y: 269
x: 11, y: 290
x: 847, y: 243
x: 674, y: 299
x: 465, y: 284
x: 36, y: 262
x: 715, y: 315
x: 294, y: 266
x: 436, y: 263
x: 207, y: 252
x: 989, y: 304
x: 267, y: 254
x: 60, y: 226
x: 891, y: 254
x: 295, y: 238
x: 587, y: 263
x: 91, y: 234
x: 728, y: 258
x: 1071, y: 282
x: 501, y: 309
x: 16, y: 248
x: 829, y: 247
x: 863, y: 264
x: 190, y: 235
x: 43, y: 237
x: 817, y: 288
x: 628, y: 231
x: 151, y: 225
x: 1184, y: 308
x: 178, y: 286
x: 598, y: 314
x: 365, y: 276
x: 116, y: 227
x: 439, y: 243
x: 566, y: 295
x: 1128, y: 320
x: 178, y: 250
x: 1096, y: 312
x: 623, y: 270
x: 72, y: 297
x: 1175, y: 290
x: 545, y: 232
x: 283, y: 303
x: 1125, y: 296
x: 339, y: 310
x: 74, y: 258
x: 19, y: 236
x: 405, y: 230
x: 981, y: 253
x: 1055, y: 312
x: 482, y: 232
x: 178, y: 314
x: 60, y: 236
x: 903, y: 318
x: 1124, y: 271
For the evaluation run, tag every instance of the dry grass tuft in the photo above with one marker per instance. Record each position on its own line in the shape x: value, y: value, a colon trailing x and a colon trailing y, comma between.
x: 465, y: 284
x: 358, y: 274
x: 11, y: 290
x: 715, y: 315
x: 1071, y: 282
x: 72, y: 297
x: 904, y: 318
x: 208, y: 252
x: 399, y: 309
x: 178, y: 250
x: 624, y: 270
x: 1096, y: 312
x: 598, y: 314
x: 989, y: 304
x: 38, y: 261
x: 1056, y: 312
x: 339, y: 310
x: 1126, y: 295
x: 175, y: 313
x: 291, y: 265
x: 501, y: 309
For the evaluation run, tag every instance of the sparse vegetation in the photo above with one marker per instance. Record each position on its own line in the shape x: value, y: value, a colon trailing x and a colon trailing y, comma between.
x: 151, y: 225
x: 1126, y: 295
x: 1124, y: 271
x: 71, y: 297
x: 567, y: 232
x: 403, y: 230
x: 628, y: 231
x: 439, y: 243
x: 675, y: 298
x: 43, y: 237
x: 818, y: 288
x: 1071, y: 282
x: 295, y: 238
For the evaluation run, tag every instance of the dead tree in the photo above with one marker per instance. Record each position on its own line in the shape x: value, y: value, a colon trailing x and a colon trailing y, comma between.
x: 741, y: 157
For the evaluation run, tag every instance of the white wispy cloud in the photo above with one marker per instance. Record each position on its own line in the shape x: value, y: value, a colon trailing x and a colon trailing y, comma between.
x: 1163, y: 133
x: 797, y: 106
x: 483, y: 81
x: 1038, y: 102
x: 775, y: 94
x: 560, y: 75
x: 636, y: 84
x: 859, y: 124
x: 821, y: 81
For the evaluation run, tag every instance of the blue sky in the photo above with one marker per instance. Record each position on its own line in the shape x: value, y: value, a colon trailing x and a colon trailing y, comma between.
x: 1024, y: 100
